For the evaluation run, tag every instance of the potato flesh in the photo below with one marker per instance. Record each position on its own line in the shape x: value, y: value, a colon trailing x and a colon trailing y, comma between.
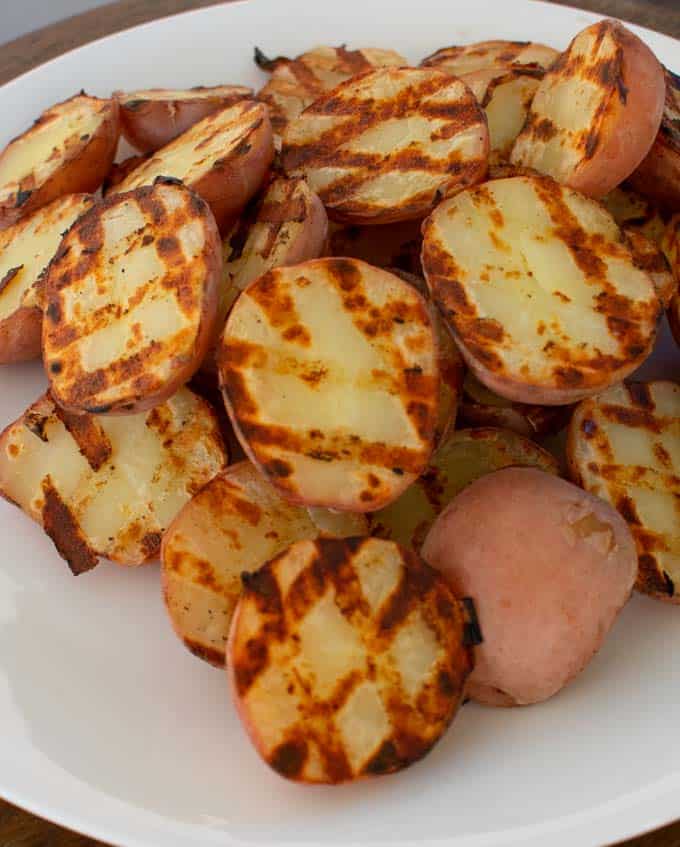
x: 330, y: 371
x: 157, y: 461
x: 196, y: 152
x: 235, y: 524
x: 625, y: 448
x: 483, y: 55
x: 30, y: 244
x: 314, y: 696
x: 506, y: 109
x: 34, y: 153
x: 509, y: 250
x: 465, y: 456
x: 175, y: 94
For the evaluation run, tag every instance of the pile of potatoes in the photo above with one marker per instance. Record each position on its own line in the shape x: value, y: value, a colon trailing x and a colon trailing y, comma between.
x: 334, y: 350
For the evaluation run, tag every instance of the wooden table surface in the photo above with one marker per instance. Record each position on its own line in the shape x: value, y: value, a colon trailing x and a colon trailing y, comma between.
x: 18, y: 828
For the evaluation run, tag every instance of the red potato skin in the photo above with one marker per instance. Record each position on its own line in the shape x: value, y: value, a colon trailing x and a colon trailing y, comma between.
x: 547, y: 588
x: 230, y: 184
x: 82, y: 173
x: 151, y: 124
x: 21, y: 335
x: 631, y: 123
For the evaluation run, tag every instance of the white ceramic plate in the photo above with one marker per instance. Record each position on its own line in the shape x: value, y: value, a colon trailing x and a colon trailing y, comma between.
x: 109, y: 726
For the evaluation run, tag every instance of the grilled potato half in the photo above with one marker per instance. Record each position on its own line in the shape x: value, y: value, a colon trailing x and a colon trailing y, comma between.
x: 480, y: 407
x: 387, y: 144
x: 496, y: 55
x: 296, y: 83
x: 544, y: 298
x: 658, y: 175
x: 106, y: 486
x: 68, y: 150
x: 329, y: 373
x: 624, y: 446
x: 347, y: 658
x: 223, y: 157
x: 26, y: 249
x: 131, y: 300
x: 287, y: 225
x: 153, y: 117
x: 466, y: 455
x: 596, y: 112
x: 390, y: 246
x: 235, y: 524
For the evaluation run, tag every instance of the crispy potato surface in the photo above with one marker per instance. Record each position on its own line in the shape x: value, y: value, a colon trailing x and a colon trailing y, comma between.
x: 495, y: 55
x: 131, y: 300
x: 466, y: 455
x: 68, y: 150
x: 223, y: 157
x: 153, y: 117
x: 296, y: 83
x: 543, y: 296
x: 329, y: 372
x: 26, y: 249
x: 624, y: 446
x: 107, y: 486
x: 347, y: 658
x: 235, y: 524
x: 549, y: 567
x: 596, y: 112
x: 387, y: 144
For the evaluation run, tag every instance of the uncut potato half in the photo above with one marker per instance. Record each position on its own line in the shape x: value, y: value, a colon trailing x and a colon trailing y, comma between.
x: 131, y: 300
x: 543, y: 296
x: 466, y: 455
x: 631, y: 211
x: 223, y: 157
x: 106, y: 486
x: 287, y: 225
x: 347, y: 658
x: 68, y: 150
x: 388, y: 246
x: 624, y: 446
x: 387, y: 144
x: 153, y: 117
x: 235, y: 524
x: 26, y: 249
x: 296, y: 83
x: 505, y: 95
x: 596, y: 112
x: 658, y: 175
x: 481, y: 407
x: 497, y: 55
x: 329, y: 372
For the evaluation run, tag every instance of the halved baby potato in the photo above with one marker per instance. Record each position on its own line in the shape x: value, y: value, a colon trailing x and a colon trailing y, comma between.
x: 234, y: 525
x: 506, y: 95
x: 388, y: 246
x: 223, y: 157
x: 296, y: 83
x: 624, y: 446
x: 131, y: 300
x: 481, y: 407
x: 466, y: 455
x: 329, y: 373
x: 658, y: 175
x: 106, y: 486
x: 153, y: 117
x: 596, y: 112
x: 287, y: 225
x: 26, y: 249
x: 544, y: 299
x: 68, y: 150
x: 497, y: 55
x: 347, y: 658
x: 386, y: 145
x: 631, y: 210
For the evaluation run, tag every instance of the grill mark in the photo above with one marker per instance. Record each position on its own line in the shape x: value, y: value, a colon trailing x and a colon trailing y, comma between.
x: 87, y: 432
x: 62, y: 527
x: 530, y: 71
x: 8, y: 277
x: 640, y: 395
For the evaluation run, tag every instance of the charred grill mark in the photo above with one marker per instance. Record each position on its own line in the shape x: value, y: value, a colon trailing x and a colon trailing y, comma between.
x: 87, y: 432
x: 62, y: 527
x: 289, y: 758
x: 640, y: 395
x: 637, y: 418
x: 8, y: 277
